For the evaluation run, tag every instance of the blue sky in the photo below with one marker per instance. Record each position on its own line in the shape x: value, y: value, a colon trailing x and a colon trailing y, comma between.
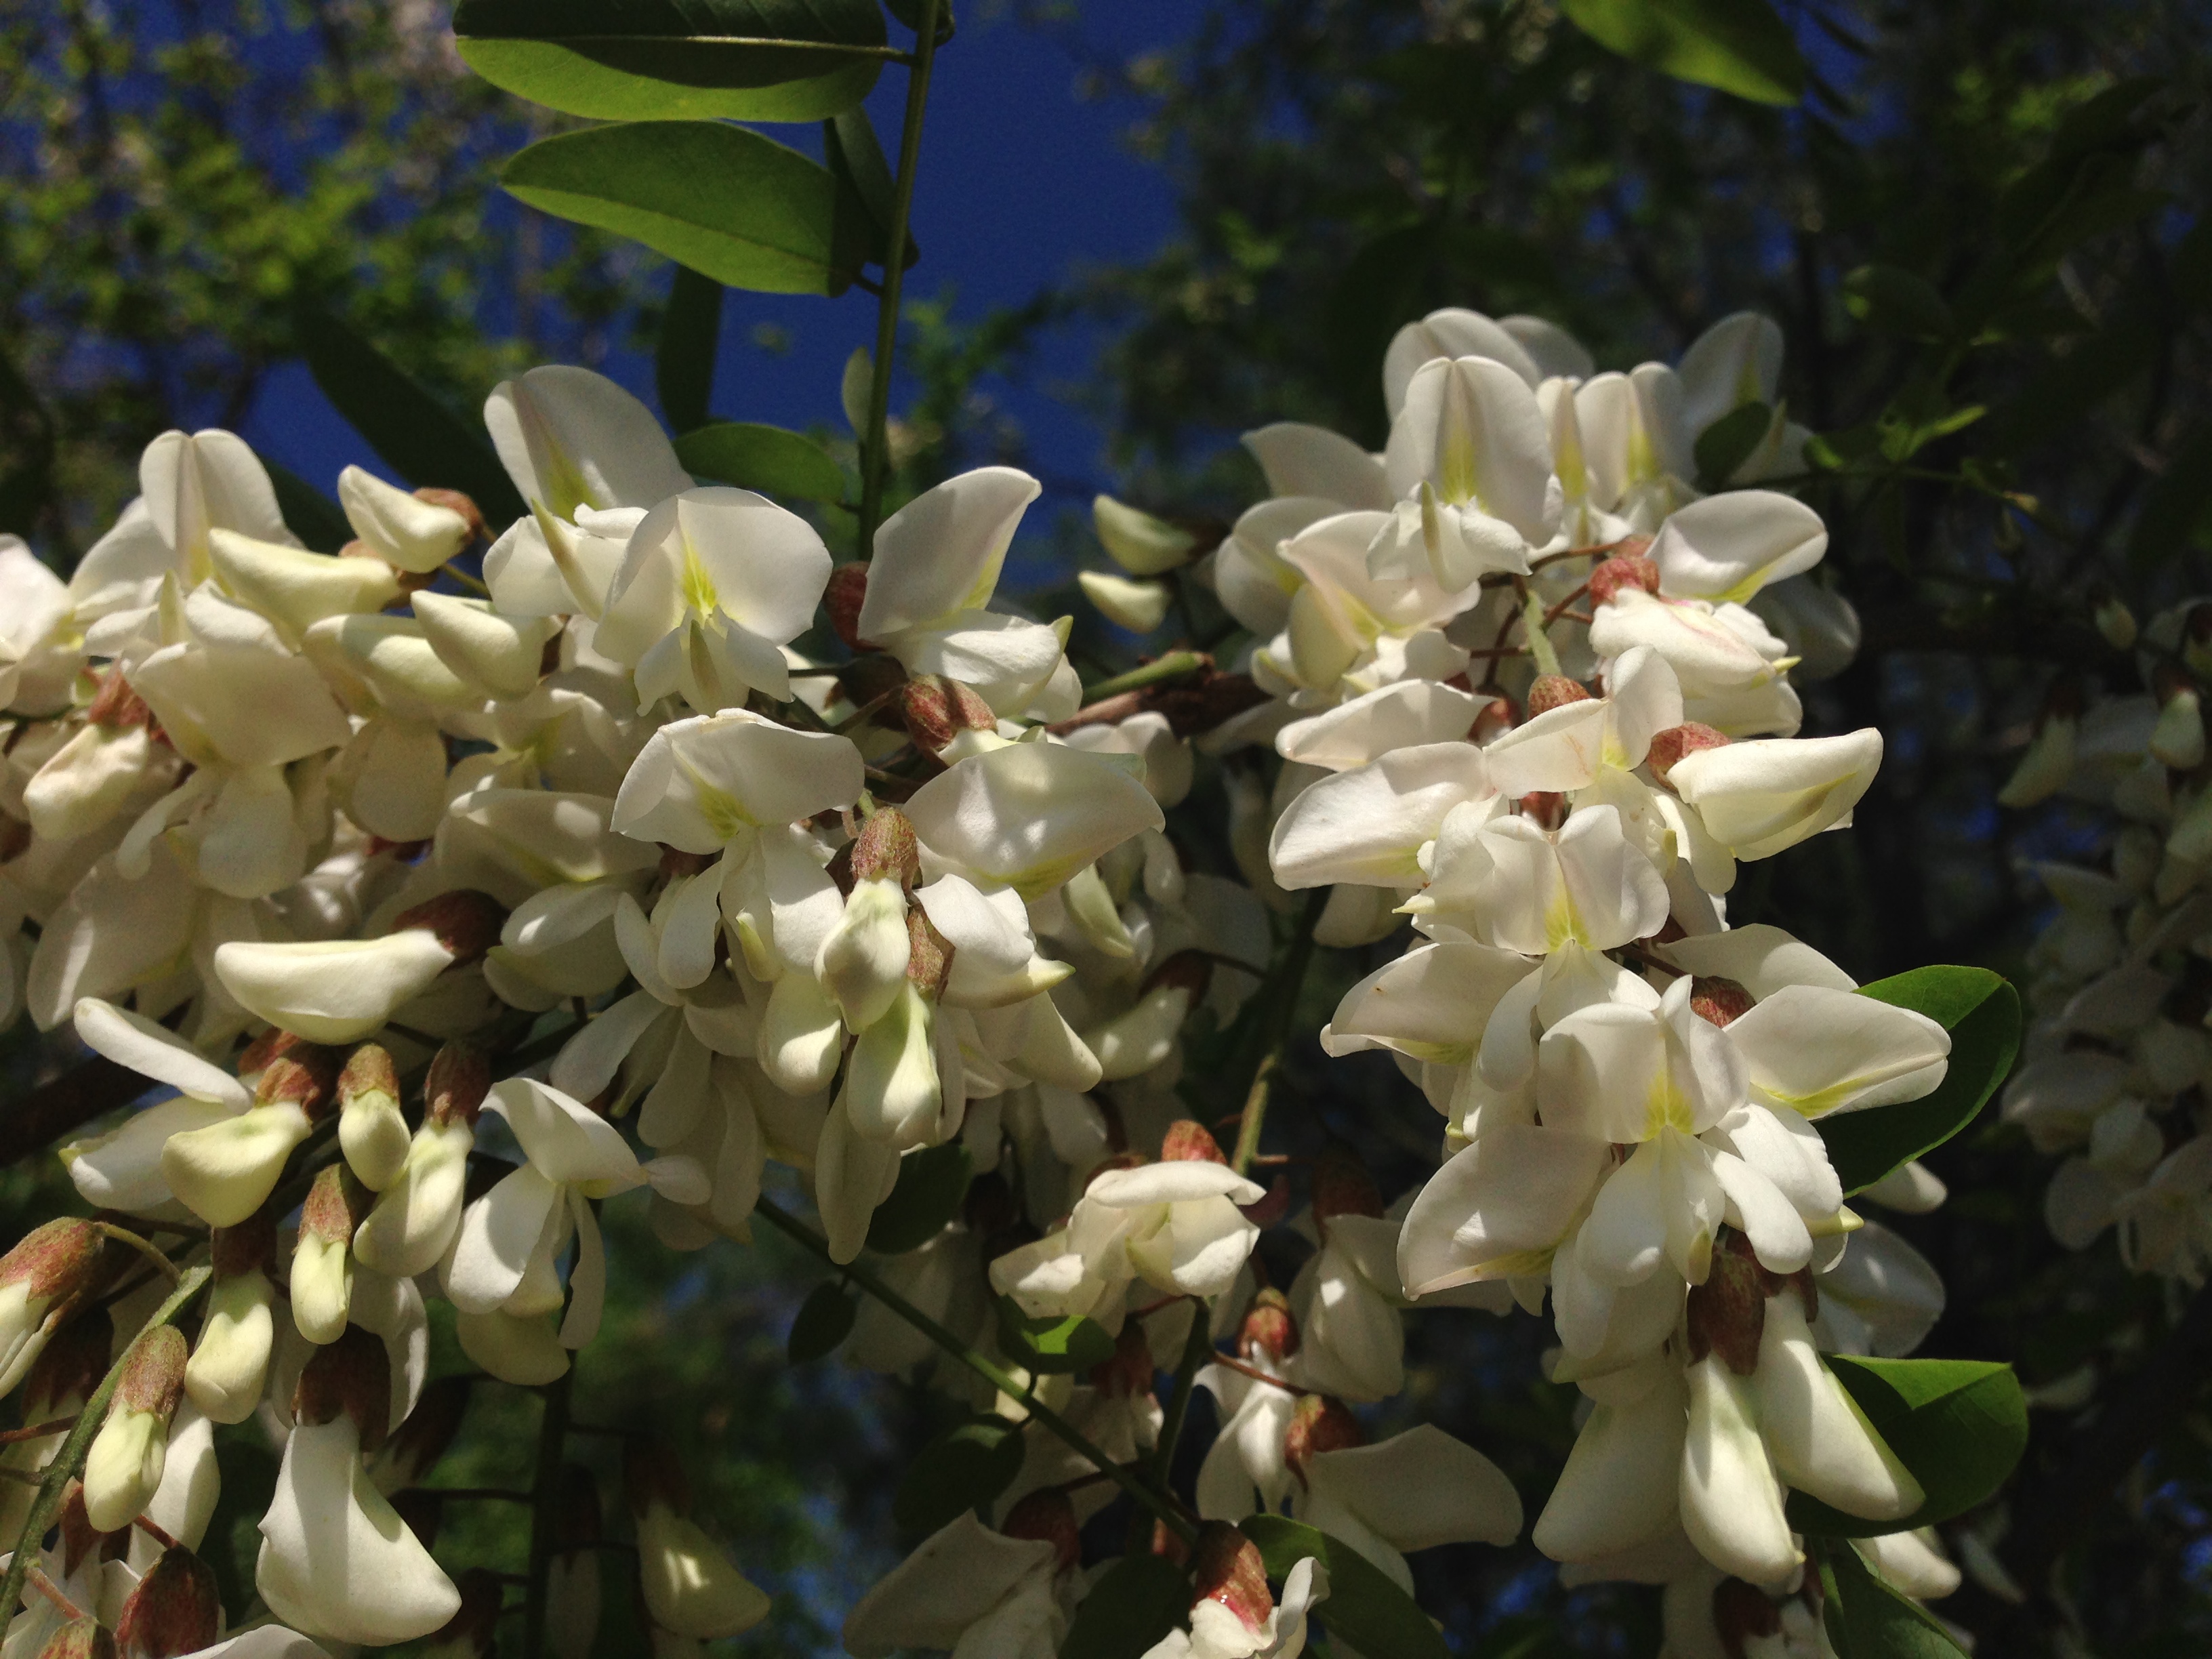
x: 1022, y: 180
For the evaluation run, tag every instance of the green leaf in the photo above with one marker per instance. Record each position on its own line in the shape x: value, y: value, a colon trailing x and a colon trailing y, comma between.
x: 312, y: 516
x: 1138, y: 1600
x: 2174, y: 508
x: 684, y: 357
x: 1051, y: 1345
x: 765, y: 457
x: 416, y: 436
x: 965, y: 1466
x: 1727, y: 444
x: 824, y: 1320
x: 1364, y: 1606
x: 1981, y: 1011
x: 1738, y: 46
x: 1868, y: 1619
x: 729, y: 203
x: 931, y: 1184
x: 1958, y: 1424
x: 1897, y: 301
x: 857, y: 161
x: 627, y: 60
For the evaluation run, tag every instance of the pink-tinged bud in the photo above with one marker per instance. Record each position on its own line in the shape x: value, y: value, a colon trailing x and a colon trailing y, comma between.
x: 1188, y: 970
x: 474, y: 1629
x: 70, y: 1367
x: 80, y: 1638
x: 416, y: 1444
x: 652, y: 1474
x: 1319, y: 1423
x: 928, y: 953
x: 1718, y: 1000
x: 254, y: 1057
x: 79, y: 1538
x: 249, y: 1246
x: 307, y: 1076
x: 1629, y: 568
x: 842, y: 599
x: 1727, y: 1314
x: 459, y: 1080
x: 1547, y: 808
x: 935, y: 710
x: 1555, y: 691
x: 1742, y: 1613
x: 176, y: 1608
x: 368, y: 1071
x: 351, y: 1376
x: 467, y: 922
x: 1494, y: 719
x: 1189, y: 1141
x: 455, y: 500
x: 885, y: 849
x: 1226, y: 1567
x: 1049, y: 1515
x: 1677, y: 741
x: 54, y: 1261
x: 153, y: 1376
x: 336, y: 1203
x: 1129, y: 1372
x: 1342, y: 1186
x: 1270, y: 1330
x: 115, y: 707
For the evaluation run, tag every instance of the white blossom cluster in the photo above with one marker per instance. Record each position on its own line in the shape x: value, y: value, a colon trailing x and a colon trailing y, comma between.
x: 730, y: 903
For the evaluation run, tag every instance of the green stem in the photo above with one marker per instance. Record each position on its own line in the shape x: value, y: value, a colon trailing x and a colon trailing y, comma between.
x: 68, y: 1461
x: 1175, y: 665
x: 1277, y: 1001
x: 1540, y: 638
x: 876, y: 451
x: 545, y: 1510
x: 996, y: 1376
x: 1197, y: 1347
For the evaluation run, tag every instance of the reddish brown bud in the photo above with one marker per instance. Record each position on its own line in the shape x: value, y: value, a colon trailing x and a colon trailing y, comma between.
x: 935, y: 710
x: 416, y: 1444
x: 1189, y: 1141
x: 307, y: 1076
x: 1226, y: 1567
x: 176, y: 1608
x: 928, y: 953
x: 254, y: 1057
x: 476, y: 1627
x: 1190, y: 971
x: 55, y: 1260
x: 1048, y: 1515
x: 1727, y: 1314
x: 116, y: 707
x: 68, y: 1368
x: 1718, y: 1000
x: 1630, y: 566
x: 1494, y: 719
x: 336, y: 1204
x: 454, y: 501
x: 1555, y: 691
x: 869, y: 676
x: 1669, y: 747
x: 885, y: 849
x: 153, y: 1374
x: 467, y: 921
x: 652, y: 1474
x: 368, y: 1071
x: 1546, y: 807
x: 352, y: 1376
x: 458, y: 1080
x: 1342, y: 1186
x: 1319, y: 1423
x: 80, y: 1638
x: 1129, y: 1372
x: 842, y: 599
x: 1743, y: 1612
x: 1270, y: 1330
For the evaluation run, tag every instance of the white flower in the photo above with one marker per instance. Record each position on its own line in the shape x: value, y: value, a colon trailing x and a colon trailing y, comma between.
x: 1470, y: 461
x: 1731, y: 669
x: 1370, y: 824
x: 968, y: 1588
x: 1757, y: 799
x: 1028, y: 816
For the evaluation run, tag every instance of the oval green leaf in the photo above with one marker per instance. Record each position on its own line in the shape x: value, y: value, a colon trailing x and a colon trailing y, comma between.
x: 1981, y: 1011
x: 931, y: 1184
x: 312, y: 516
x: 1868, y: 1619
x: 1135, y: 1602
x: 967, y: 1465
x: 1739, y: 47
x: 1051, y: 1345
x: 631, y: 60
x: 729, y: 203
x: 1364, y: 1606
x: 768, y: 458
x: 824, y: 1320
x: 1958, y: 1424
x: 1727, y: 444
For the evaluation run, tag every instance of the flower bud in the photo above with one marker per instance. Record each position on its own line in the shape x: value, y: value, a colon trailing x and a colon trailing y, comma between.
x: 123, y: 1468
x: 1718, y: 1000
x: 928, y: 954
x: 1188, y: 1141
x: 691, y: 1587
x: 1630, y: 566
x: 892, y: 1090
x: 1727, y: 1313
x: 39, y: 1281
x: 2196, y: 638
x: 472, y: 1632
x: 466, y: 923
x: 847, y: 590
x: 1552, y: 691
x: 415, y: 532
x: 1676, y: 741
x: 1138, y: 606
x: 1270, y: 1330
x: 1342, y: 1186
x: 1049, y: 1515
x: 862, y: 961
x: 80, y: 1638
x: 2178, y: 739
x: 885, y: 849
x: 230, y: 1366
x: 1140, y: 543
x: 224, y: 1172
x: 322, y: 1260
x: 175, y: 1609
x: 1226, y: 1567
x: 935, y: 710
x: 1319, y: 1423
x: 2115, y: 622
x: 414, y: 1219
x: 2043, y: 771
x: 455, y: 1091
x: 372, y: 1131
x: 351, y: 1378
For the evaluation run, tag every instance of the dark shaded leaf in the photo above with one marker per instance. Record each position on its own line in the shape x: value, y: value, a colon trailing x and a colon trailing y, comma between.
x: 823, y: 1320
x: 1139, y: 1600
x: 1958, y: 1424
x: 1727, y: 442
x: 312, y: 516
x: 963, y: 1468
x: 931, y: 1184
x: 2174, y: 508
x: 908, y: 12
x: 1897, y: 302
x: 857, y: 163
x: 1738, y: 46
x: 1049, y: 1345
x: 627, y: 60
x: 684, y: 357
x: 1981, y: 1011
x: 769, y: 458
x: 726, y: 202
x: 1868, y: 1619
x: 1364, y: 1606
x: 416, y: 436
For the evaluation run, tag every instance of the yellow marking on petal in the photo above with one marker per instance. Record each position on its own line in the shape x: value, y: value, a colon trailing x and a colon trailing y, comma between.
x: 1666, y: 1107
x: 698, y: 586
x: 1561, y: 924
x: 1456, y: 454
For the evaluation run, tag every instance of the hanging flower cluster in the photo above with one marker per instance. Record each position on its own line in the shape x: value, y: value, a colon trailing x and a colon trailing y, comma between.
x: 349, y: 859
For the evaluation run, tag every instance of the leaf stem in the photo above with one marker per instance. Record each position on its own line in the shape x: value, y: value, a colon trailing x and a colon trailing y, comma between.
x: 47, y: 1507
x: 1277, y: 999
x: 124, y: 1236
x: 545, y: 1511
x: 1197, y: 1347
x: 875, y: 457
x: 1174, y: 666
x: 998, y: 1377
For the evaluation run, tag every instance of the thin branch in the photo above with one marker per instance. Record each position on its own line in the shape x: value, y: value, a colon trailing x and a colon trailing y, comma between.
x: 545, y: 1511
x: 124, y: 1236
